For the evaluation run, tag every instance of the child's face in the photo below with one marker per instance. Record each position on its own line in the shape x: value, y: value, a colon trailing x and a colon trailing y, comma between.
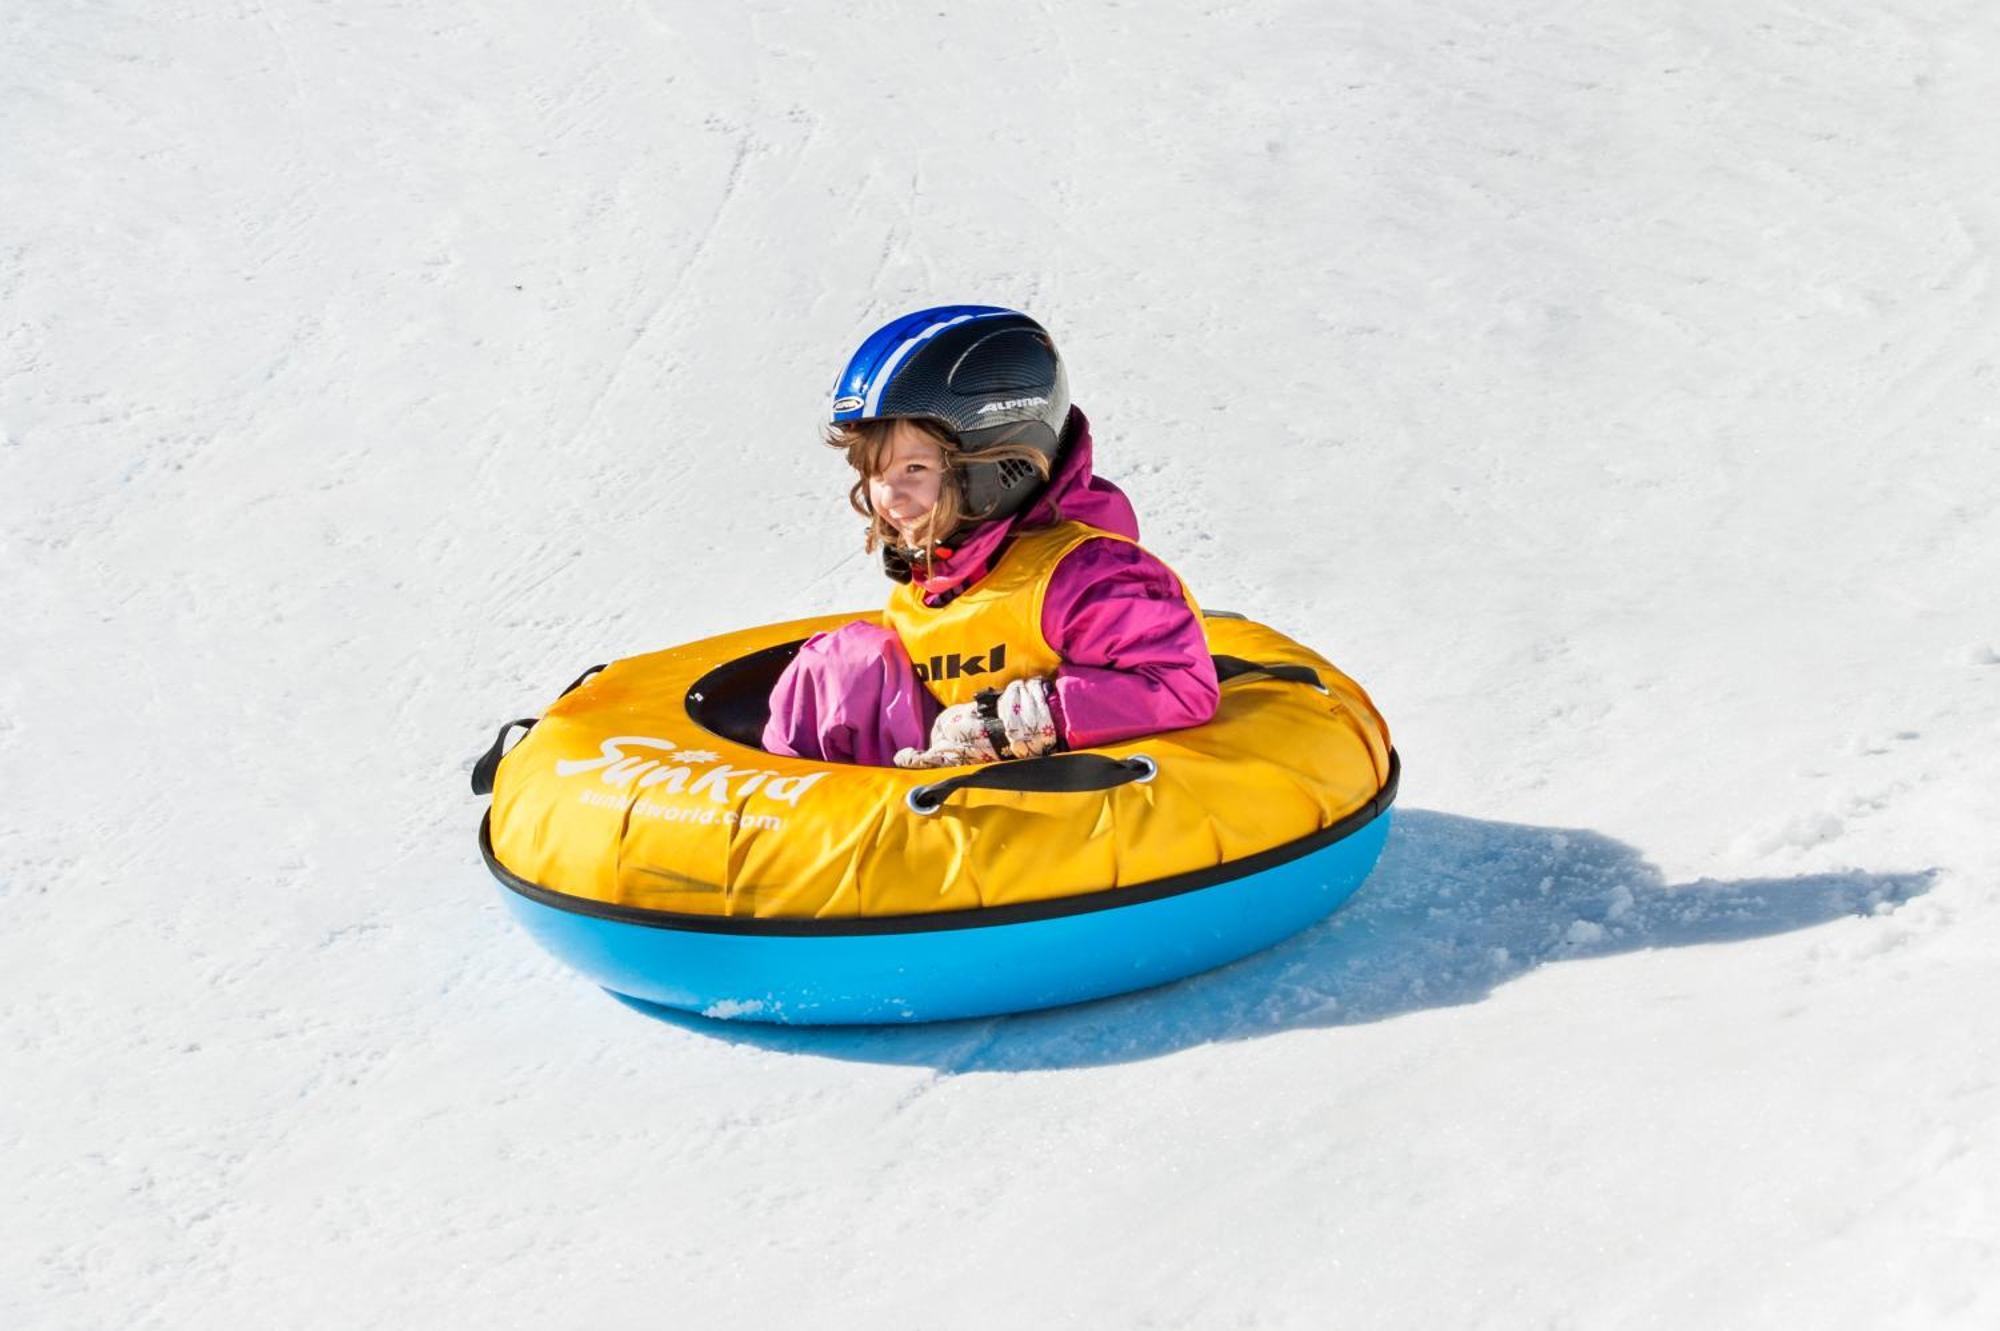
x: 906, y: 489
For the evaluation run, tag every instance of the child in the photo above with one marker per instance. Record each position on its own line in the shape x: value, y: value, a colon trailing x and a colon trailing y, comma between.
x: 1027, y: 619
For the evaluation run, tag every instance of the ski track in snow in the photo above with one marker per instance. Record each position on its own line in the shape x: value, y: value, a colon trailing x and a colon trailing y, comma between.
x: 1612, y: 395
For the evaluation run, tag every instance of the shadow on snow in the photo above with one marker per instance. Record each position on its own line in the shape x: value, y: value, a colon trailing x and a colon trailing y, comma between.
x: 1456, y: 908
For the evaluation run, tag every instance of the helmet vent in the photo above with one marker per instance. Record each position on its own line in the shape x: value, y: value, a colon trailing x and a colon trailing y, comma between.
x: 1012, y: 358
x: 1013, y: 471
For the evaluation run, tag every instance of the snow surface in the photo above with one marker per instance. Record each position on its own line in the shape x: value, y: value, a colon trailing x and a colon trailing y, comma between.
x: 1610, y: 388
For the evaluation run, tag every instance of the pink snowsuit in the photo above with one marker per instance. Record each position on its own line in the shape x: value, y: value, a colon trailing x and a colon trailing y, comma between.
x: 1135, y: 659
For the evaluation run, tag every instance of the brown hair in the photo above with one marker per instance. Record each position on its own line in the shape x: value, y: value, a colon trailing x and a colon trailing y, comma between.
x: 866, y: 444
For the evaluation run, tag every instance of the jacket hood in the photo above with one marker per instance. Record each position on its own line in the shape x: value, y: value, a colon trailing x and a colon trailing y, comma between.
x: 1074, y: 494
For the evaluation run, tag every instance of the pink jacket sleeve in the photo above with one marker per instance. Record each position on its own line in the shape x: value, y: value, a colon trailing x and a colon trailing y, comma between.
x: 1135, y: 658
x: 850, y: 696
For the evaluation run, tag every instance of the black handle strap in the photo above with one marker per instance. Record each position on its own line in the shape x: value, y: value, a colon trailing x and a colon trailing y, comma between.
x: 1230, y: 667
x: 489, y: 762
x: 1065, y: 773
x: 577, y: 683
x: 488, y: 765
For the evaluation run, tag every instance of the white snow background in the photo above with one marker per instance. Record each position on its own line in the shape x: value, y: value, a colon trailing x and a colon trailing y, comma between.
x: 1610, y: 388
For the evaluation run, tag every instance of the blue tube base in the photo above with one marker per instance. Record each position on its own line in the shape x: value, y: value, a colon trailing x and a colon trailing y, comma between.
x: 943, y: 974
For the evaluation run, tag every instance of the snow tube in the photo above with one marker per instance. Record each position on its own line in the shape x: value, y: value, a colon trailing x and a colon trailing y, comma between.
x: 644, y: 837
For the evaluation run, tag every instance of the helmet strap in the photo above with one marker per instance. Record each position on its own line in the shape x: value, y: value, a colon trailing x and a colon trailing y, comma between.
x: 903, y: 564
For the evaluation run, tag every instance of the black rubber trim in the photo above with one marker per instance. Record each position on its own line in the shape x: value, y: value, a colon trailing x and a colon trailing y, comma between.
x: 979, y: 917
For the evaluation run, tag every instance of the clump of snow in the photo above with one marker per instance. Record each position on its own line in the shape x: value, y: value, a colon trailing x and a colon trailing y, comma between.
x: 730, y: 1008
x: 1581, y: 933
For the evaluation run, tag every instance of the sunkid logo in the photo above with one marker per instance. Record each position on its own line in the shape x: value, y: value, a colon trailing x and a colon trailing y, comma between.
x: 952, y: 665
x: 677, y: 774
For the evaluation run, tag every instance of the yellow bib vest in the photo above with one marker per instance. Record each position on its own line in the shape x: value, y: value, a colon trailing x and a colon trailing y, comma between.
x: 991, y: 634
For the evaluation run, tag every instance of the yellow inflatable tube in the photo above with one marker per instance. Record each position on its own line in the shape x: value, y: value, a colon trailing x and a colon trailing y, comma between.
x: 643, y: 790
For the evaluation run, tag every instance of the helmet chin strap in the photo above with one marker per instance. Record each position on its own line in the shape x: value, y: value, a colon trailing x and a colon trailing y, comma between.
x: 901, y: 562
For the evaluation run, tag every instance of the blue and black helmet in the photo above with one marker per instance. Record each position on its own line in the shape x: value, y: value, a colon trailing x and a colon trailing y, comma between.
x: 989, y: 376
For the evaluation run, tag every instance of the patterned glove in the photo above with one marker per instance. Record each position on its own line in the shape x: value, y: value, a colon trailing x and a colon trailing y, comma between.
x: 958, y: 739
x: 1014, y: 723
x: 1026, y: 719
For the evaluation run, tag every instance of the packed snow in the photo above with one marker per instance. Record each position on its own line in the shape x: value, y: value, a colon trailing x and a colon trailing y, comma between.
x: 1611, y: 390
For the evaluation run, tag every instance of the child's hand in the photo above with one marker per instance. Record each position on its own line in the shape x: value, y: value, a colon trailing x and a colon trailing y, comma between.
x: 1014, y: 723
x: 1025, y: 718
x: 958, y: 738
